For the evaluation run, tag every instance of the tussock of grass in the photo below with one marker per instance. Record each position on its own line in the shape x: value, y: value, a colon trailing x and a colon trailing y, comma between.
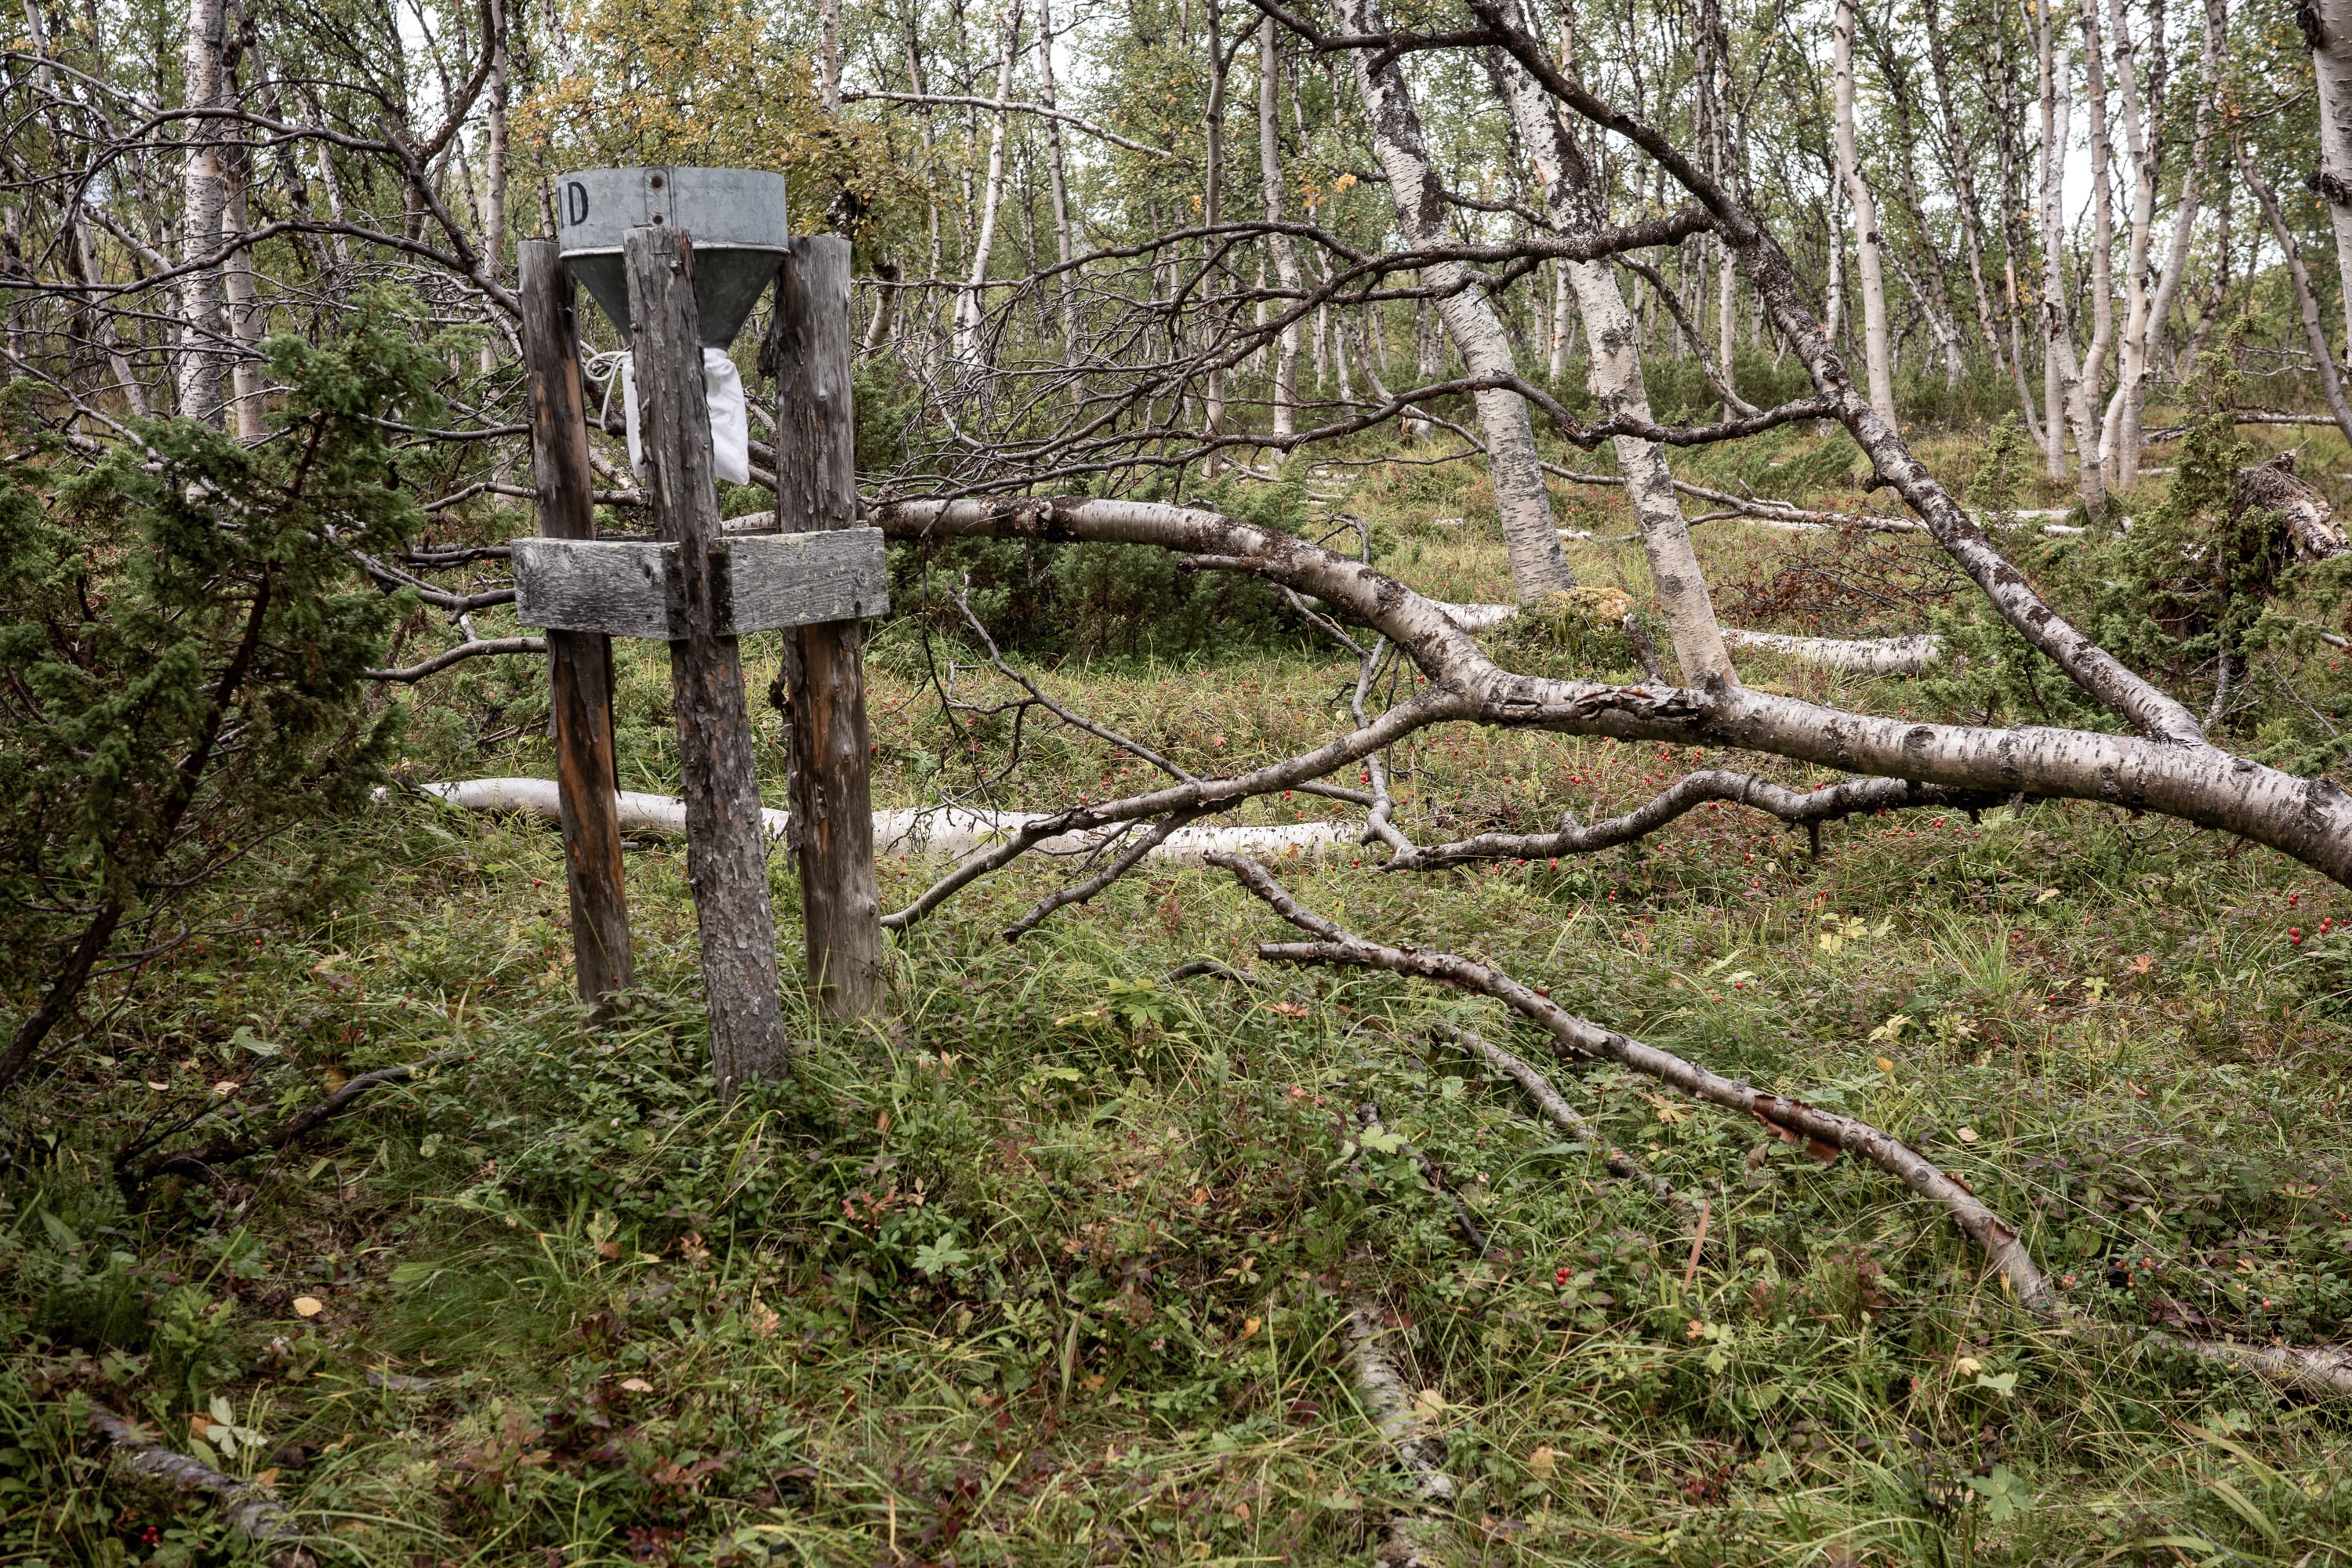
x: 1050, y: 1262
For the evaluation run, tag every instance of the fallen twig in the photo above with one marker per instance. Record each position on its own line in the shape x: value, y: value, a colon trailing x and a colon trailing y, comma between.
x: 248, y: 1509
x: 1389, y: 1401
x: 226, y: 1150
x: 2326, y: 1369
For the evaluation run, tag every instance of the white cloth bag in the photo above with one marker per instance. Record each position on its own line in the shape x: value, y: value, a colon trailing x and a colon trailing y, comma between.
x: 730, y: 419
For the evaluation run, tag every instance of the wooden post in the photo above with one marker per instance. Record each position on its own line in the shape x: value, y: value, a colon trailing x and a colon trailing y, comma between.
x: 580, y: 663
x: 724, y: 856
x: 823, y: 667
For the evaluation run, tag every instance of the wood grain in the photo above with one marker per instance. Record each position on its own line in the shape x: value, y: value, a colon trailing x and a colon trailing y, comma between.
x: 733, y: 919
x: 759, y: 582
x: 580, y: 663
x: 823, y: 678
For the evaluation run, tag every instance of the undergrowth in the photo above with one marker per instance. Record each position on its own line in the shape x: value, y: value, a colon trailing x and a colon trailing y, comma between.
x: 1051, y: 1261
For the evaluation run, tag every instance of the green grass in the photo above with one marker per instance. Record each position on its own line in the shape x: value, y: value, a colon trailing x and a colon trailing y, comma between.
x: 1050, y: 1262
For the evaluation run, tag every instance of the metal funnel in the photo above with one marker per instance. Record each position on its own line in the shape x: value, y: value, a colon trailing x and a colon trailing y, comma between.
x: 736, y: 216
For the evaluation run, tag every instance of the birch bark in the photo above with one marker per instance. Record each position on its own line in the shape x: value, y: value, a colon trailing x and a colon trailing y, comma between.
x: 971, y: 312
x: 2120, y: 436
x: 2089, y: 450
x: 1573, y: 195
x: 1531, y: 537
x: 1285, y: 259
x: 2327, y: 31
x: 200, y: 216
x: 1868, y: 275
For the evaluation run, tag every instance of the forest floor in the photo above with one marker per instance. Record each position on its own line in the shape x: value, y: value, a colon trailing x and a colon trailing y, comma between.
x: 1053, y: 1262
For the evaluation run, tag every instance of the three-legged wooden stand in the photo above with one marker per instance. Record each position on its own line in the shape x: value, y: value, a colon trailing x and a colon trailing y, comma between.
x: 699, y: 588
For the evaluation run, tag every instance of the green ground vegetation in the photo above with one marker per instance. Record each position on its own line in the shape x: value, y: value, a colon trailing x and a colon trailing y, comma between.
x: 1050, y: 1263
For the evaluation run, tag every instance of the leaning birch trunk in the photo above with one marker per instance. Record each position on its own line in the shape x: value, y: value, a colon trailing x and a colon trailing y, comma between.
x: 2328, y: 28
x: 2119, y: 438
x: 1868, y: 275
x: 200, y: 216
x: 1574, y: 196
x: 970, y: 308
x: 1538, y: 567
x: 2306, y: 298
x: 1285, y: 259
x: 2091, y: 455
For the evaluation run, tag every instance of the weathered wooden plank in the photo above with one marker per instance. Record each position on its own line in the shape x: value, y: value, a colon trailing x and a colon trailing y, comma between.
x: 580, y: 663
x: 759, y: 582
x: 822, y: 677
x: 766, y: 582
x: 626, y: 587
x: 734, y: 922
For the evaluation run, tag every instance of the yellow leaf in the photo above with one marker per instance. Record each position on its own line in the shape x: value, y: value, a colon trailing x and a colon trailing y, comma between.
x: 1249, y: 1327
x: 268, y: 1477
x: 1543, y: 1463
x: 1965, y: 1134
x: 1669, y: 1115
x: 2047, y: 894
x: 1967, y: 1366
x: 635, y: 1385
x: 1885, y: 1064
x: 307, y: 1306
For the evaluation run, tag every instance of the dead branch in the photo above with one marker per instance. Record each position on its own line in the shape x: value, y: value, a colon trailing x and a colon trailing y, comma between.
x: 479, y: 648
x: 2326, y: 1369
x: 1560, y: 1112
x: 1388, y: 1399
x: 248, y: 1510
x: 1808, y: 808
x: 2309, y: 819
x: 133, y: 1171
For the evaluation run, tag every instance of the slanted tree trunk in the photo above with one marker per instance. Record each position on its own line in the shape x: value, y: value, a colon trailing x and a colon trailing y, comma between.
x: 1529, y: 533
x: 1285, y: 259
x: 2328, y: 30
x: 1573, y: 195
x: 242, y: 299
x: 1868, y: 275
x: 2315, y: 330
x: 200, y: 216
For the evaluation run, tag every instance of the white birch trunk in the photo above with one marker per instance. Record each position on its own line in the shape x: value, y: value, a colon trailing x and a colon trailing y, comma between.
x: 200, y: 216
x: 1285, y: 259
x: 1574, y: 199
x: 2119, y: 445
x: 1530, y: 532
x: 2328, y: 28
x: 1065, y: 240
x: 2089, y: 452
x: 1868, y: 275
x: 970, y: 310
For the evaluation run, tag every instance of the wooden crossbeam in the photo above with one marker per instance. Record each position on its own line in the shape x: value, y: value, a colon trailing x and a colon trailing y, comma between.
x: 759, y: 583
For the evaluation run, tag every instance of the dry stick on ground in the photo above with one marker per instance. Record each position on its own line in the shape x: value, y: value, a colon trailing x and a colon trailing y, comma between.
x: 1556, y: 1109
x: 249, y: 1510
x: 1389, y: 1401
x: 225, y: 1150
x: 2322, y: 1369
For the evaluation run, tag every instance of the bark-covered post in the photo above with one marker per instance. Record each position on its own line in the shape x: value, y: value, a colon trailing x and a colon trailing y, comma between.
x: 824, y: 669
x: 580, y: 663
x: 724, y: 856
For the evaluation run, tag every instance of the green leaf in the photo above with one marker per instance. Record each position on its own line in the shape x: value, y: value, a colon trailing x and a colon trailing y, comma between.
x: 2002, y: 1383
x: 934, y: 1258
